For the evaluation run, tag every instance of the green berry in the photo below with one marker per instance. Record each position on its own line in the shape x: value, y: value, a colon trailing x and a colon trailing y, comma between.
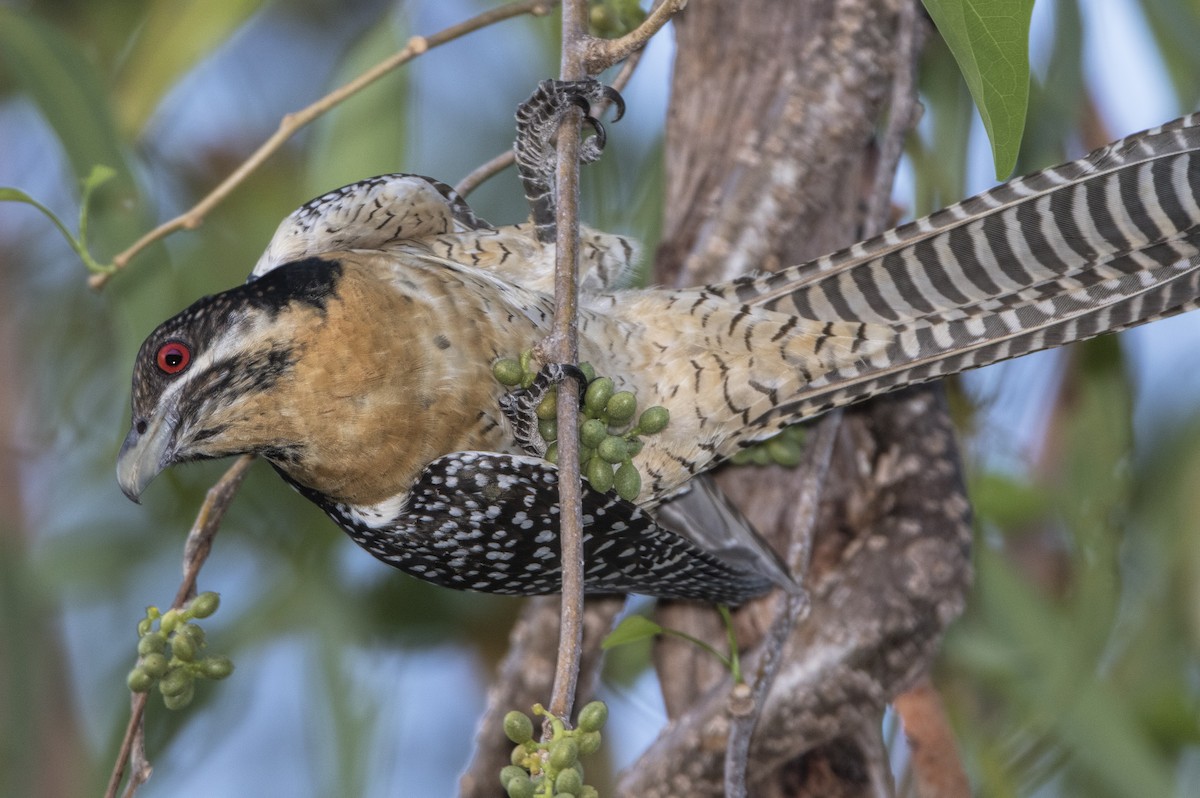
x: 741, y: 457
x: 510, y: 772
x: 139, y: 681
x: 589, y: 742
x: 599, y: 391
x: 175, y: 682
x: 588, y: 791
x: 627, y: 481
x: 564, y: 753
x: 180, y: 700
x: 548, y: 429
x: 169, y: 621
x: 613, y: 449
x: 183, y: 648
x: 520, y: 786
x: 144, y: 626
x: 552, y: 453
x: 653, y: 419
x: 599, y: 474
x: 593, y: 716
x: 621, y: 407
x: 507, y: 371
x: 592, y: 432
x: 634, y: 445
x: 192, y: 632
x: 518, y: 727
x: 216, y: 667
x: 519, y: 753
x: 154, y: 664
x: 204, y: 605
x: 589, y: 373
x: 548, y: 407
x: 152, y: 643
x: 760, y: 456
x: 568, y: 781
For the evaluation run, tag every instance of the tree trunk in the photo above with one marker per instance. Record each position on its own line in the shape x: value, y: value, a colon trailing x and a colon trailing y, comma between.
x: 770, y: 159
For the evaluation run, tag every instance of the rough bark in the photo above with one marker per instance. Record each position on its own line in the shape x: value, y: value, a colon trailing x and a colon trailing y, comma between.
x: 769, y: 156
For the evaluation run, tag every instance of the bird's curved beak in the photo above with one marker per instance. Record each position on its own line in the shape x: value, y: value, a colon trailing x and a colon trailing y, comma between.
x: 143, y: 456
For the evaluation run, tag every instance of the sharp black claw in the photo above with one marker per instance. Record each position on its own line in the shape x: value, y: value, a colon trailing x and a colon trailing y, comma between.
x: 618, y: 102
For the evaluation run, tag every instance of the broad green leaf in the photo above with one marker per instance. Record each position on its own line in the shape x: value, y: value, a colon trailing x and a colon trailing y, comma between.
x: 631, y: 630
x: 365, y: 134
x: 990, y: 42
x: 176, y: 36
x: 63, y: 84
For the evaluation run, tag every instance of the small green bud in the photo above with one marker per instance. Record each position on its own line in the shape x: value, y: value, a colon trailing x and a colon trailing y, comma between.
x: 183, y: 648
x: 599, y: 391
x: 552, y: 453
x: 204, y: 604
x: 589, y: 373
x: 192, y: 632
x: 510, y: 772
x: 627, y: 481
x: 180, y: 700
x: 152, y: 643
x: 169, y: 621
x: 589, y: 742
x: 599, y: 474
x: 548, y: 429
x: 653, y: 419
x: 621, y: 407
x: 518, y: 755
x: 154, y: 664
x: 217, y: 667
x: 564, y: 753
x: 568, y: 781
x: 592, y: 432
x: 507, y: 371
x: 144, y: 626
x: 520, y: 786
x: 614, y: 449
x: 593, y: 716
x: 588, y: 791
x: 175, y: 682
x: 518, y: 727
x: 139, y: 681
x: 548, y: 407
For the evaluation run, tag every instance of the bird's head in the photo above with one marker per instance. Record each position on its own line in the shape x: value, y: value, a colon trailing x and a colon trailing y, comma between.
x: 203, y: 379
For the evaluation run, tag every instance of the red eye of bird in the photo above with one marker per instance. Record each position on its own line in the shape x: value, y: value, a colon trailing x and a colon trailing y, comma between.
x: 173, y: 357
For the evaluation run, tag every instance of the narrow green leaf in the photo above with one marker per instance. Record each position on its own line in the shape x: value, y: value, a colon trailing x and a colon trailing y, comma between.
x: 631, y: 630
x: 990, y: 42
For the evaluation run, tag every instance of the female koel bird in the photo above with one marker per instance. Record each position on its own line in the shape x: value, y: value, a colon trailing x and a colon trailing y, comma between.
x: 357, y: 359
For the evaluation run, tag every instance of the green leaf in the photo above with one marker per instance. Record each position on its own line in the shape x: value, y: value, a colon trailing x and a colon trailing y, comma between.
x: 66, y: 88
x: 631, y: 630
x: 990, y: 42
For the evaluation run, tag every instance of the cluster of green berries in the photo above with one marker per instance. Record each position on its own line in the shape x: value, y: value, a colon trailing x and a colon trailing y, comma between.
x: 551, y: 769
x: 608, y: 441
x: 170, y: 655
x: 785, y: 449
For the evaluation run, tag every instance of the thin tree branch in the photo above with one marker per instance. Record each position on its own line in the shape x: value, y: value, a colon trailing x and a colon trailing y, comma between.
x: 291, y: 123
x: 602, y: 53
x: 195, y: 552
x: 562, y: 346
x: 793, y: 607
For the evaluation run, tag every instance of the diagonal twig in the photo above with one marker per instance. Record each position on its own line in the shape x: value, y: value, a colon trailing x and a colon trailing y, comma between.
x: 195, y: 552
x: 291, y: 123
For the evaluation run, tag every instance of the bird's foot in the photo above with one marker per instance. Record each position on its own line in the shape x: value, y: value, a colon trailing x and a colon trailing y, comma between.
x: 520, y: 406
x: 538, y: 119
